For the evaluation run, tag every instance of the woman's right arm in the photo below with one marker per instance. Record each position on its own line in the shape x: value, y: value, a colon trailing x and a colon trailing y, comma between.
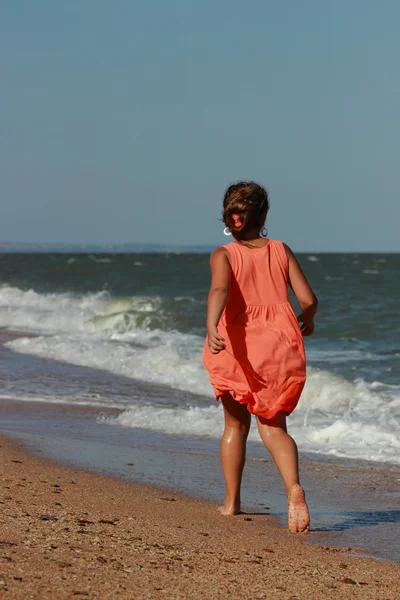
x: 303, y: 292
x: 218, y: 296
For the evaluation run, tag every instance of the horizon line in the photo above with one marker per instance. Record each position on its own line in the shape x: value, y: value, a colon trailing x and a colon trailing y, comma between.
x: 144, y: 248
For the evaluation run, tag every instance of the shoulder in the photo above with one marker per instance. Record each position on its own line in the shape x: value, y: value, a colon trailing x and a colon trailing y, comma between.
x: 220, y: 263
x: 219, y: 252
x: 219, y: 255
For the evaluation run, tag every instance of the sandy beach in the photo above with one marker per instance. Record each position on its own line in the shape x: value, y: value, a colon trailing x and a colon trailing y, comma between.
x: 66, y: 533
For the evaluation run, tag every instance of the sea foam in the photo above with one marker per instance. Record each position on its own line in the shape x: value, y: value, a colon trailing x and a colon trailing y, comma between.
x: 354, y: 419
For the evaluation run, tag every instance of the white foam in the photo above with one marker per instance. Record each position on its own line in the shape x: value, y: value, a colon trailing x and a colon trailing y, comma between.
x: 331, y: 278
x: 343, y: 437
x: 335, y: 416
x: 92, y: 400
x: 156, y: 356
x: 351, y: 439
x: 39, y: 313
x: 313, y: 258
x: 192, y: 421
x: 63, y: 313
x: 100, y: 260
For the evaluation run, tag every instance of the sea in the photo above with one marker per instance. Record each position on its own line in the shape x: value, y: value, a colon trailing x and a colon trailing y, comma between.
x: 138, y: 320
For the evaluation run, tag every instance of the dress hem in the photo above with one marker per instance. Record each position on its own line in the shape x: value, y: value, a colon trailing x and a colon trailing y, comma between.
x: 249, y: 397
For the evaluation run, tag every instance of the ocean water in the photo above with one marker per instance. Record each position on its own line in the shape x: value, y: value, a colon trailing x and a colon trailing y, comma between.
x: 141, y: 316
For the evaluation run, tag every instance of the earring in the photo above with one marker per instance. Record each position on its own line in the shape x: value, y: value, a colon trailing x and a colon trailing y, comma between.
x: 264, y: 232
x: 227, y: 231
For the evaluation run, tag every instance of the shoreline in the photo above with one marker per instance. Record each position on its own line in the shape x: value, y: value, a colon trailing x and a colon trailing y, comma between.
x: 66, y: 533
x: 351, y: 505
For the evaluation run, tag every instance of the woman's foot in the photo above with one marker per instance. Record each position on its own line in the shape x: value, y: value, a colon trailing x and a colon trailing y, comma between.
x: 229, y: 510
x: 298, y: 515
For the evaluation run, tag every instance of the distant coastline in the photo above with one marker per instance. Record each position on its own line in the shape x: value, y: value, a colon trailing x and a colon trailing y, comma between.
x: 53, y: 248
x: 32, y: 248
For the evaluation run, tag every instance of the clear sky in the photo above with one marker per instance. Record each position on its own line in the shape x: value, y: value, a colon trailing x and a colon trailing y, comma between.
x: 124, y: 120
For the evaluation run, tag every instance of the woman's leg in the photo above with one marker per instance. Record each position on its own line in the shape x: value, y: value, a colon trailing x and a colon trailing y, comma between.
x: 233, y: 451
x: 283, y: 450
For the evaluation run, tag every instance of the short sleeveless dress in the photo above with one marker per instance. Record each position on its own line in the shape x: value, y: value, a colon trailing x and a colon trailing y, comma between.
x: 263, y: 365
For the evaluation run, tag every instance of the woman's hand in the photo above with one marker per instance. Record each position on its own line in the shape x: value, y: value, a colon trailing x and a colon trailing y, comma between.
x: 215, y: 341
x: 306, y: 327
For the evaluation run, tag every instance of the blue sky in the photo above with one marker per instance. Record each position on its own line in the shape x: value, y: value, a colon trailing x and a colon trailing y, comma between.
x: 124, y: 121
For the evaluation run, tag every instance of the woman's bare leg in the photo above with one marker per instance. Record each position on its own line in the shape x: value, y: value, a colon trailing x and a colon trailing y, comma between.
x: 233, y: 451
x: 283, y: 450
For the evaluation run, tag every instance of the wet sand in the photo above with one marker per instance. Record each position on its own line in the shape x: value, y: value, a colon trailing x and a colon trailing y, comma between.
x: 66, y: 533
x: 352, y: 504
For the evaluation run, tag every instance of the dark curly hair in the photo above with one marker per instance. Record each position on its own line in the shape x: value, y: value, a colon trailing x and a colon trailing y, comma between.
x: 248, y: 200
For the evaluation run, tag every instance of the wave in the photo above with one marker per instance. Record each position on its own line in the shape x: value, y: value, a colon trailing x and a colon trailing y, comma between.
x: 97, y: 313
x: 174, y: 359
x: 344, y: 437
x: 65, y: 313
x: 154, y: 356
x: 335, y: 416
x: 42, y: 313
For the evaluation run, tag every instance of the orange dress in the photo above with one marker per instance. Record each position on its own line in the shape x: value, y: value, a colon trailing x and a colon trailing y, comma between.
x: 264, y: 363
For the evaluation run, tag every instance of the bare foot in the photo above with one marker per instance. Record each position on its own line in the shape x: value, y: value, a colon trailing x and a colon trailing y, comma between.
x: 229, y: 510
x: 298, y: 515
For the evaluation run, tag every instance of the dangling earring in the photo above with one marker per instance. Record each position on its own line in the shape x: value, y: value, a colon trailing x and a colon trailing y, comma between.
x: 227, y: 231
x: 264, y: 232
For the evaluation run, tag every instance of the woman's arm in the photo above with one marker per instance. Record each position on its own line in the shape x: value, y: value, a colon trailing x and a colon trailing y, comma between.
x: 218, y: 296
x: 303, y: 292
